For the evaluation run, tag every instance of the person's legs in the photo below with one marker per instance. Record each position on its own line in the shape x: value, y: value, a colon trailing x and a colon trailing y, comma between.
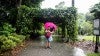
x: 48, y: 43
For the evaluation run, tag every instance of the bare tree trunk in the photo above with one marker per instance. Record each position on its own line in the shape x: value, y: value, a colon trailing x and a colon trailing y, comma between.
x: 18, y: 3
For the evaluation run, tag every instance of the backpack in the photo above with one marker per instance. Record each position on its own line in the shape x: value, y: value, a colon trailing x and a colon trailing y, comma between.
x: 47, y: 35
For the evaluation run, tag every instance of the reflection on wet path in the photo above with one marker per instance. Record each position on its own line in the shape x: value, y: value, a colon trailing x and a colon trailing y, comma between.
x: 78, y: 52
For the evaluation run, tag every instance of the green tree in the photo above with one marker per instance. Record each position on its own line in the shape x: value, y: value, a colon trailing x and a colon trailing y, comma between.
x: 87, y: 28
x: 85, y: 25
x: 32, y: 3
x: 89, y: 17
x: 61, y: 5
x: 96, y: 10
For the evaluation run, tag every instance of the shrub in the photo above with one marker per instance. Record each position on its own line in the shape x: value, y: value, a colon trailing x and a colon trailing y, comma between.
x: 71, y: 26
x: 24, y: 22
x: 6, y: 33
x: 27, y: 37
x: 15, y: 39
x: 6, y: 29
x: 8, y: 44
x: 3, y: 38
x: 21, y: 37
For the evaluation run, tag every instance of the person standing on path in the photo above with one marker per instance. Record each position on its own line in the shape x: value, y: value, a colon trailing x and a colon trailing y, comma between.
x: 48, y: 35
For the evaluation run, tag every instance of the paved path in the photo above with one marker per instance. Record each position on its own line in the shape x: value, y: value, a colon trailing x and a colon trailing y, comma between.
x: 36, y: 49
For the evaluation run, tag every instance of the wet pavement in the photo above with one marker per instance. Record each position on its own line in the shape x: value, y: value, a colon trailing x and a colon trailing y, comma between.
x: 58, y: 49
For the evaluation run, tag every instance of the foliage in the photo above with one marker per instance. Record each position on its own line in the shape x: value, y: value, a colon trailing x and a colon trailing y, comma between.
x: 29, y: 17
x: 3, y: 38
x: 5, y: 43
x: 24, y: 22
x: 96, y: 10
x: 93, y: 54
x: 8, y: 4
x: 53, y: 15
x: 14, y: 39
x: 61, y: 6
x: 87, y: 28
x: 8, y: 10
x: 17, y: 15
x: 89, y: 17
x: 12, y: 16
x: 3, y: 16
x: 12, y: 4
x: 6, y: 29
x: 42, y: 31
x: 85, y: 25
x: 21, y: 37
x: 9, y: 42
x: 32, y: 3
x: 57, y: 38
x: 71, y: 24
x: 88, y: 38
x: 12, y: 12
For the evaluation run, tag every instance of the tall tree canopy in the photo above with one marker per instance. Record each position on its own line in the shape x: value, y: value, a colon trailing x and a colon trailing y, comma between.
x: 96, y: 10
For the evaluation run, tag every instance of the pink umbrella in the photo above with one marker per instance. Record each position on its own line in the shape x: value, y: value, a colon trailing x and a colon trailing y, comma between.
x: 50, y: 24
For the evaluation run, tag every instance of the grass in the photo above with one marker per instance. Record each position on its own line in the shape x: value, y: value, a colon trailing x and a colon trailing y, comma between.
x: 93, y: 54
x: 90, y: 38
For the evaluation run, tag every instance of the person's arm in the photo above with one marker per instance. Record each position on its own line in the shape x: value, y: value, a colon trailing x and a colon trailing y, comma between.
x: 46, y: 31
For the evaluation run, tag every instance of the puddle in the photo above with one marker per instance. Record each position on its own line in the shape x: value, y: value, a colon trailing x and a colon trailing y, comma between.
x: 78, y: 52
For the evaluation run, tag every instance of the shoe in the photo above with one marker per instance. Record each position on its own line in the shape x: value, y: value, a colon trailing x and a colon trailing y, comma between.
x: 49, y: 47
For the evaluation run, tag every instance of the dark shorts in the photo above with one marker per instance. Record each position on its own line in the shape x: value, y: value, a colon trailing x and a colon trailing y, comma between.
x: 48, y: 39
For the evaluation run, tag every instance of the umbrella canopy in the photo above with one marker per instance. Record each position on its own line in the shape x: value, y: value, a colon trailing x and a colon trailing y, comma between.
x: 50, y: 24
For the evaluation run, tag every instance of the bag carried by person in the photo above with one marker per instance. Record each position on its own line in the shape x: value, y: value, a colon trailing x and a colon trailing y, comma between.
x: 50, y: 38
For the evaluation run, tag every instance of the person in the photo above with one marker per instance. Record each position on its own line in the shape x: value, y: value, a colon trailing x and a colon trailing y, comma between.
x: 48, y: 35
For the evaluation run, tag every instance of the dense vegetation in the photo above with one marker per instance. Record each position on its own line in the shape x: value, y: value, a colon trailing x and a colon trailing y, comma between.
x: 16, y: 18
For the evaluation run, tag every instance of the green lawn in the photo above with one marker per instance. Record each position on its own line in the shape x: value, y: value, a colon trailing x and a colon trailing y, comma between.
x: 90, y: 38
x: 93, y: 54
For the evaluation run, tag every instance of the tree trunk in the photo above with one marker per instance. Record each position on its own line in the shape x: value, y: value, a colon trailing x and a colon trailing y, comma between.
x: 18, y: 3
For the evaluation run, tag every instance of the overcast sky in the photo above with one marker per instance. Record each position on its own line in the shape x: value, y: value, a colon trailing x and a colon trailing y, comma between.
x: 82, y: 5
